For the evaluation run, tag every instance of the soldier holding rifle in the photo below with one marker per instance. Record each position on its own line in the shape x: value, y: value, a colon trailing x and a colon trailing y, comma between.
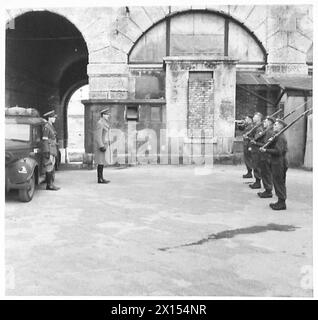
x: 246, y: 125
x: 276, y: 146
x: 254, y: 150
x: 265, y: 158
x: 277, y: 150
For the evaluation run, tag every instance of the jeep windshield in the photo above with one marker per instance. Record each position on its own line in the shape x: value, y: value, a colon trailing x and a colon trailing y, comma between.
x: 17, y: 132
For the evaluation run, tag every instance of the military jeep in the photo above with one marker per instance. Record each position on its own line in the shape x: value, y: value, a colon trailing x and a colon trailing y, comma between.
x: 24, y: 166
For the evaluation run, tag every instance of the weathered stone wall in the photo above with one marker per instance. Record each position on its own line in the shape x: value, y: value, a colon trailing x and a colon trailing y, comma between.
x: 217, y: 104
x: 285, y: 31
x: 296, y: 134
x: 129, y: 139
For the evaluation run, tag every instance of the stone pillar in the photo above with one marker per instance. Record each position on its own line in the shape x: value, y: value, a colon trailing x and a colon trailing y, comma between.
x: 200, y: 96
x: 289, y: 36
x: 108, y: 80
x: 108, y: 84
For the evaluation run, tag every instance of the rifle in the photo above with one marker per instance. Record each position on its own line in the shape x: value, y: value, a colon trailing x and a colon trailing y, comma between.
x: 271, y: 139
x: 287, y: 115
x: 246, y: 135
x: 291, y: 112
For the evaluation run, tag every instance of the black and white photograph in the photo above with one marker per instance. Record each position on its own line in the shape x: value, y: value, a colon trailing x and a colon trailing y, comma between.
x: 158, y: 150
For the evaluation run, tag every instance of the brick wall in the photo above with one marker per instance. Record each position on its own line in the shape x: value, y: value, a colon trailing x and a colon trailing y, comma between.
x: 201, y: 103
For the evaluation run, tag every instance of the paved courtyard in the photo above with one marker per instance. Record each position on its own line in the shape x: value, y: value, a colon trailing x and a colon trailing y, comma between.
x: 160, y: 231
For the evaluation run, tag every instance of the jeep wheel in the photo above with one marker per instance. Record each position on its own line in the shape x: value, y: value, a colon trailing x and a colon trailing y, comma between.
x: 26, y: 195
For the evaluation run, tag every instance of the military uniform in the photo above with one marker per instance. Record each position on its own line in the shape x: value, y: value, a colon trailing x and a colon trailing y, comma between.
x: 49, y: 138
x: 101, y: 140
x: 246, y: 153
x: 279, y: 166
x: 255, y: 156
x: 49, y: 145
x: 265, y: 165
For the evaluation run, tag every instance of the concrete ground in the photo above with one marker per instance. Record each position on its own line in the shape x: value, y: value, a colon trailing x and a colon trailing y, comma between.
x: 160, y: 231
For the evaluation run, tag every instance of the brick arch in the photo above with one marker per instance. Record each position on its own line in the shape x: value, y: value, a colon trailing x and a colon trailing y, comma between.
x: 43, y: 83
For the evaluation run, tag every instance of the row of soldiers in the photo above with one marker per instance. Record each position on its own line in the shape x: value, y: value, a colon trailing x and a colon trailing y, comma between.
x: 268, y: 165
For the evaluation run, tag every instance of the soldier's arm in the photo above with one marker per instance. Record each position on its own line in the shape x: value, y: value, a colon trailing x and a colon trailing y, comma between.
x: 259, y: 144
x: 279, y: 148
x: 45, y: 140
x: 241, y: 126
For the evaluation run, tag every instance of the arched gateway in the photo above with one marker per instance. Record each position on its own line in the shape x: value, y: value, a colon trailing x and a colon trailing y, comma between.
x: 46, y: 58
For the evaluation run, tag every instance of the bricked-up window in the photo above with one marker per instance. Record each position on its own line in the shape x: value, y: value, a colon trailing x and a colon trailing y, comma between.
x: 200, y: 102
x: 132, y: 112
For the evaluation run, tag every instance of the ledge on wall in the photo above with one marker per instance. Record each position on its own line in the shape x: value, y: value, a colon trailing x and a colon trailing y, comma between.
x: 123, y: 101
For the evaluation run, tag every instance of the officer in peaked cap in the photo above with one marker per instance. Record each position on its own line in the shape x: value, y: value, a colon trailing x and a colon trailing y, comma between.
x: 49, y: 139
x: 50, y: 114
x: 105, y: 111
x: 101, y: 141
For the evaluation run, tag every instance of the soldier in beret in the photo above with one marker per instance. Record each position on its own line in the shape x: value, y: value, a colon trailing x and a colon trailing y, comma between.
x: 101, y: 140
x: 49, y: 143
x: 279, y: 165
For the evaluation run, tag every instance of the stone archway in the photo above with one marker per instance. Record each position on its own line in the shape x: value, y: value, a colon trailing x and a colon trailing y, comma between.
x: 46, y: 55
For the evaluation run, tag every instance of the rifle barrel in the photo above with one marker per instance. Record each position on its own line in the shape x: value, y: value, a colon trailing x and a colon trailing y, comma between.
x: 284, y: 129
x: 277, y: 112
x: 291, y: 112
x: 258, y: 125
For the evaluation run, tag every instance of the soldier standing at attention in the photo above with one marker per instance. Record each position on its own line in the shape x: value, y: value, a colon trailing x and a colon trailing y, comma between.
x: 245, y: 126
x: 49, y: 149
x: 265, y: 158
x: 101, y: 139
x: 255, y: 153
x: 277, y: 150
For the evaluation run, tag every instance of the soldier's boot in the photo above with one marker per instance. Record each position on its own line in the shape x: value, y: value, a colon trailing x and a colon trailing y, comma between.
x: 279, y: 205
x: 100, y: 178
x: 247, y: 175
x: 256, y: 184
x: 49, y: 182
x: 266, y: 194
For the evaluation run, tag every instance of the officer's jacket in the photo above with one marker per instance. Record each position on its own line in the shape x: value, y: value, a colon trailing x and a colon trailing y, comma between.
x: 101, y: 133
x: 278, y: 150
x: 49, y: 139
